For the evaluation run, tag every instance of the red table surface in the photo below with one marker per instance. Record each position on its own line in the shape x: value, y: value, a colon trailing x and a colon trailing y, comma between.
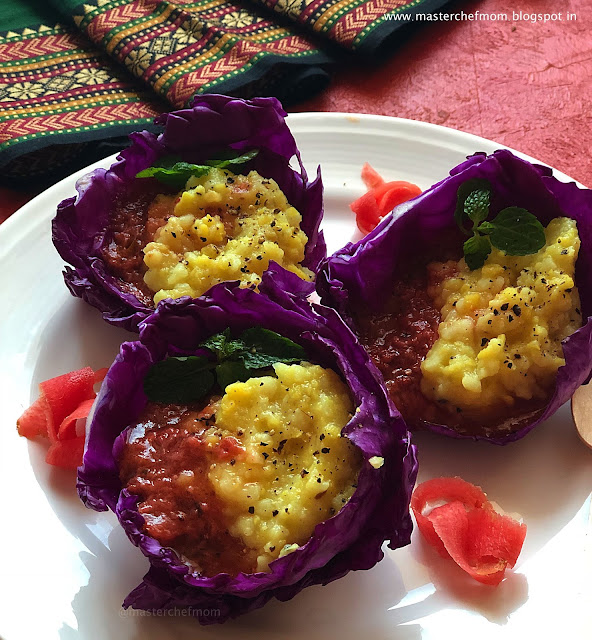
x: 523, y: 83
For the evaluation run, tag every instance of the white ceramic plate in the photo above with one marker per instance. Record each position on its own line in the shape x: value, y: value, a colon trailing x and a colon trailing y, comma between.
x: 64, y: 570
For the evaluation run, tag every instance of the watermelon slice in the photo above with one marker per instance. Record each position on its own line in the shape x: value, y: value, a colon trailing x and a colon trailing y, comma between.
x: 380, y: 199
x: 367, y: 212
x: 63, y: 401
x: 66, y: 453
x: 100, y: 374
x: 64, y: 393
x: 67, y: 429
x: 398, y: 191
x: 33, y: 422
x: 370, y: 177
x: 482, y: 542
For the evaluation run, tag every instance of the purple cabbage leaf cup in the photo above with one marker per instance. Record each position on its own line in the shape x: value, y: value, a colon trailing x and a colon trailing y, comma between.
x: 352, y: 539
x: 357, y: 275
x: 214, y: 124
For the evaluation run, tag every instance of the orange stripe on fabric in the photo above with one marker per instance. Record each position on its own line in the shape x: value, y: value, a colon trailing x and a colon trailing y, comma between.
x: 31, y: 47
x: 202, y: 60
x: 181, y: 55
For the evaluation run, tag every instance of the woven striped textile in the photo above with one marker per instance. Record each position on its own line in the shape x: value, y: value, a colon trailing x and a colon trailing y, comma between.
x: 72, y: 74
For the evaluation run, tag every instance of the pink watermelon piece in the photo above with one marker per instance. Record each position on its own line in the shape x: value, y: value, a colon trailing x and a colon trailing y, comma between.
x: 33, y: 422
x: 467, y: 529
x: 66, y: 453
x: 370, y: 177
x: 67, y: 430
x: 100, y: 374
x: 64, y: 393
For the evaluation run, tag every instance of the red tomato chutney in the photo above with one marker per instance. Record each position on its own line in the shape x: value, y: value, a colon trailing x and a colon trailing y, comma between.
x: 136, y: 216
x: 398, y: 338
x: 165, y: 462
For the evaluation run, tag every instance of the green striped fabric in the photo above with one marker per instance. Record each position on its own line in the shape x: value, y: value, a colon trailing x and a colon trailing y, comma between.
x: 73, y: 73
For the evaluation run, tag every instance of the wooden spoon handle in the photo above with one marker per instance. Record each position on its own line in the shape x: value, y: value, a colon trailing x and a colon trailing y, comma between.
x: 581, y: 410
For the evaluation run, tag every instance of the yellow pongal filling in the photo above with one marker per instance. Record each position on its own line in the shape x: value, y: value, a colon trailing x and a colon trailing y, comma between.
x: 502, y: 325
x: 297, y: 469
x: 225, y: 227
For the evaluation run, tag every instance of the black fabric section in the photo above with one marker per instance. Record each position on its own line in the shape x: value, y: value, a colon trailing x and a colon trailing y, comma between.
x: 289, y: 80
x: 388, y: 35
x: 27, y: 156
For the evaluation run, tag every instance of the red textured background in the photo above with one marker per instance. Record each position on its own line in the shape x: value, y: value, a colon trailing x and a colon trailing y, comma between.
x: 524, y: 84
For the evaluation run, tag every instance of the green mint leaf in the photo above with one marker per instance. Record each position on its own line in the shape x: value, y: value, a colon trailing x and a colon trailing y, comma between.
x: 176, y: 175
x: 190, y: 379
x: 485, y: 227
x: 179, y: 380
x: 255, y: 348
x: 231, y: 371
x: 461, y: 216
x: 264, y: 348
x: 477, y: 205
x: 476, y: 250
x: 223, y: 346
x: 232, y: 160
x: 170, y: 170
x: 515, y: 231
x: 216, y: 342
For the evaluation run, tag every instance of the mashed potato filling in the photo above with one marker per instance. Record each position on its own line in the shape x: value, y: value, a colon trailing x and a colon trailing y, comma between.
x: 224, y: 227
x: 502, y: 325
x: 297, y: 470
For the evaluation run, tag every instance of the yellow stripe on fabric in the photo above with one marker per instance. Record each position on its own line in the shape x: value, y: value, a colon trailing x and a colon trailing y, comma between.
x: 165, y: 80
x: 202, y: 7
x: 265, y: 36
x: 171, y: 76
x: 141, y: 24
x: 211, y: 56
x: 170, y: 70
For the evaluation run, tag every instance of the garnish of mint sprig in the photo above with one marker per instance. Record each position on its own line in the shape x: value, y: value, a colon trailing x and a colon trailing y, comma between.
x: 172, y: 171
x: 190, y: 379
x: 513, y: 230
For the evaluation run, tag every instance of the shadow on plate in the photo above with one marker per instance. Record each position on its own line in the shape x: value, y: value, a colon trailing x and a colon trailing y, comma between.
x: 357, y: 604
x: 454, y: 589
x: 545, y: 477
x: 76, y: 336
